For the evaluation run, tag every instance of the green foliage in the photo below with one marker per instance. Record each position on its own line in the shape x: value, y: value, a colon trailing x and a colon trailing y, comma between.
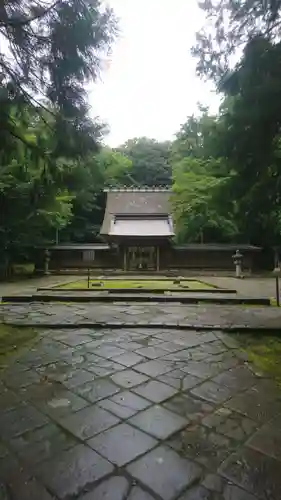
x: 198, y: 212
x: 251, y: 139
x: 197, y: 136
x: 230, y: 24
x: 239, y: 48
x: 87, y: 180
x: 50, y: 50
x: 150, y: 161
x: 115, y: 167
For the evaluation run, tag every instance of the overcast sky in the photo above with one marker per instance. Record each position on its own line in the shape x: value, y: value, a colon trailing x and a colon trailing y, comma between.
x: 150, y: 86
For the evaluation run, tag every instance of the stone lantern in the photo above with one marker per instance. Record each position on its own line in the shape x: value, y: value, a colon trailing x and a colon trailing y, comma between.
x: 237, y: 260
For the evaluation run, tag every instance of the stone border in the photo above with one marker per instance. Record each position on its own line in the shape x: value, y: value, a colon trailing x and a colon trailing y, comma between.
x: 138, y: 290
x: 262, y: 301
x: 117, y: 325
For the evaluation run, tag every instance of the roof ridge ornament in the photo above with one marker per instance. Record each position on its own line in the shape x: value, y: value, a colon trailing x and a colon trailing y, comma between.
x: 138, y: 189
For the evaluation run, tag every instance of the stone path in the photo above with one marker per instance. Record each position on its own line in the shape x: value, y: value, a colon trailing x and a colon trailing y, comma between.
x: 136, y: 414
x: 141, y: 314
x: 30, y: 285
x: 251, y: 287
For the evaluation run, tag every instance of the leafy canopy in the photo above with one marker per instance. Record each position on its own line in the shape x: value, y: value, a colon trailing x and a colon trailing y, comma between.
x: 49, y: 50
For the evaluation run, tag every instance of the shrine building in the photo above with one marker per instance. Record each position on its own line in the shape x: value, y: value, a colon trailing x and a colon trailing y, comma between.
x: 137, y: 236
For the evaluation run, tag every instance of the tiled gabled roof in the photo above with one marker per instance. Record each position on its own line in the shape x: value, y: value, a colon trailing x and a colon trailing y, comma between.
x: 135, y: 202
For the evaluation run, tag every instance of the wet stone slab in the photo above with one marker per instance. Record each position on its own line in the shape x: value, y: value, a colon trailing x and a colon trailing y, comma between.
x: 72, y: 471
x: 88, y: 422
x: 158, y: 422
x: 199, y: 493
x: 128, y: 378
x: 152, y: 352
x: 255, y: 405
x: 165, y: 472
x: 189, y: 407
x: 268, y: 439
x: 20, y: 379
x: 74, y: 338
x: 53, y: 399
x: 125, y: 404
x: 108, y: 351
x: 179, y: 379
x: 21, y: 420
x: 201, y: 369
x: 230, y: 424
x: 231, y: 492
x: 138, y: 493
x: 117, y: 484
x: 36, y: 446
x: 128, y: 359
x: 123, y: 392
x: 77, y: 377
x: 104, y: 367
x: 122, y: 444
x: 21, y: 486
x: 198, y: 443
x: 255, y: 472
x: 154, y: 368
x: 155, y: 391
x: 212, y: 392
x: 237, y: 378
x: 97, y: 390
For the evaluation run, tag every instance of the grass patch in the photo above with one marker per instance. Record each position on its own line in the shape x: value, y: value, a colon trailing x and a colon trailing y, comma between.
x: 264, y: 353
x: 136, y: 284
x: 12, y: 339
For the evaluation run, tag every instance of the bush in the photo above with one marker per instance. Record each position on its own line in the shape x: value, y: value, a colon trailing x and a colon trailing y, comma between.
x: 26, y: 269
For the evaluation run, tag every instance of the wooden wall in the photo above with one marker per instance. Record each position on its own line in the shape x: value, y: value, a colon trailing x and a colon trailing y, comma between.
x: 170, y: 258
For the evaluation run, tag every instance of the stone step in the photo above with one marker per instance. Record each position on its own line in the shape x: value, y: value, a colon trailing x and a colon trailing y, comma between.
x: 194, y: 298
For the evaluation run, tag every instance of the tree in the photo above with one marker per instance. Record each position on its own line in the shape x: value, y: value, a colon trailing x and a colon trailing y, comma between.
x: 200, y: 213
x: 230, y: 25
x: 87, y: 181
x: 198, y: 137
x: 243, y: 58
x: 251, y: 139
x: 116, y: 168
x: 50, y: 49
x: 150, y: 161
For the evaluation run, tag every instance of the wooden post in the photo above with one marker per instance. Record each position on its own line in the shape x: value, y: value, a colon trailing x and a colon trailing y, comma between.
x: 125, y: 258
x: 157, y: 258
x: 277, y: 266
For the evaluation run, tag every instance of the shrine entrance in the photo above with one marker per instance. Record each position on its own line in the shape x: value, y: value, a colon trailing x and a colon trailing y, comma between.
x: 141, y: 258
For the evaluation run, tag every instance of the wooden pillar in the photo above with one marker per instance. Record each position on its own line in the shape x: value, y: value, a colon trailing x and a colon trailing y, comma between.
x: 157, y: 258
x: 125, y: 258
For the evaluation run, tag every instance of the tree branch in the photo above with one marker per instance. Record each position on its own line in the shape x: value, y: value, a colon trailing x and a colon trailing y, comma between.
x: 17, y: 22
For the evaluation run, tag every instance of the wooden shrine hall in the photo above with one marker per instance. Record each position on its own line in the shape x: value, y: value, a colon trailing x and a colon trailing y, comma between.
x: 137, y: 236
x: 138, y: 221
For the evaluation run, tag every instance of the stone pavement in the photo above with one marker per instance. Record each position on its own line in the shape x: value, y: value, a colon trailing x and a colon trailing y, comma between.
x: 250, y: 286
x: 30, y: 285
x: 141, y: 314
x: 136, y: 414
x: 255, y: 286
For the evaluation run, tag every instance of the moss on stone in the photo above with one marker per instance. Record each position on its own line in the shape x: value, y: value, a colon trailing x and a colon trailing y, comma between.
x: 12, y: 340
x: 136, y: 284
x: 264, y: 353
